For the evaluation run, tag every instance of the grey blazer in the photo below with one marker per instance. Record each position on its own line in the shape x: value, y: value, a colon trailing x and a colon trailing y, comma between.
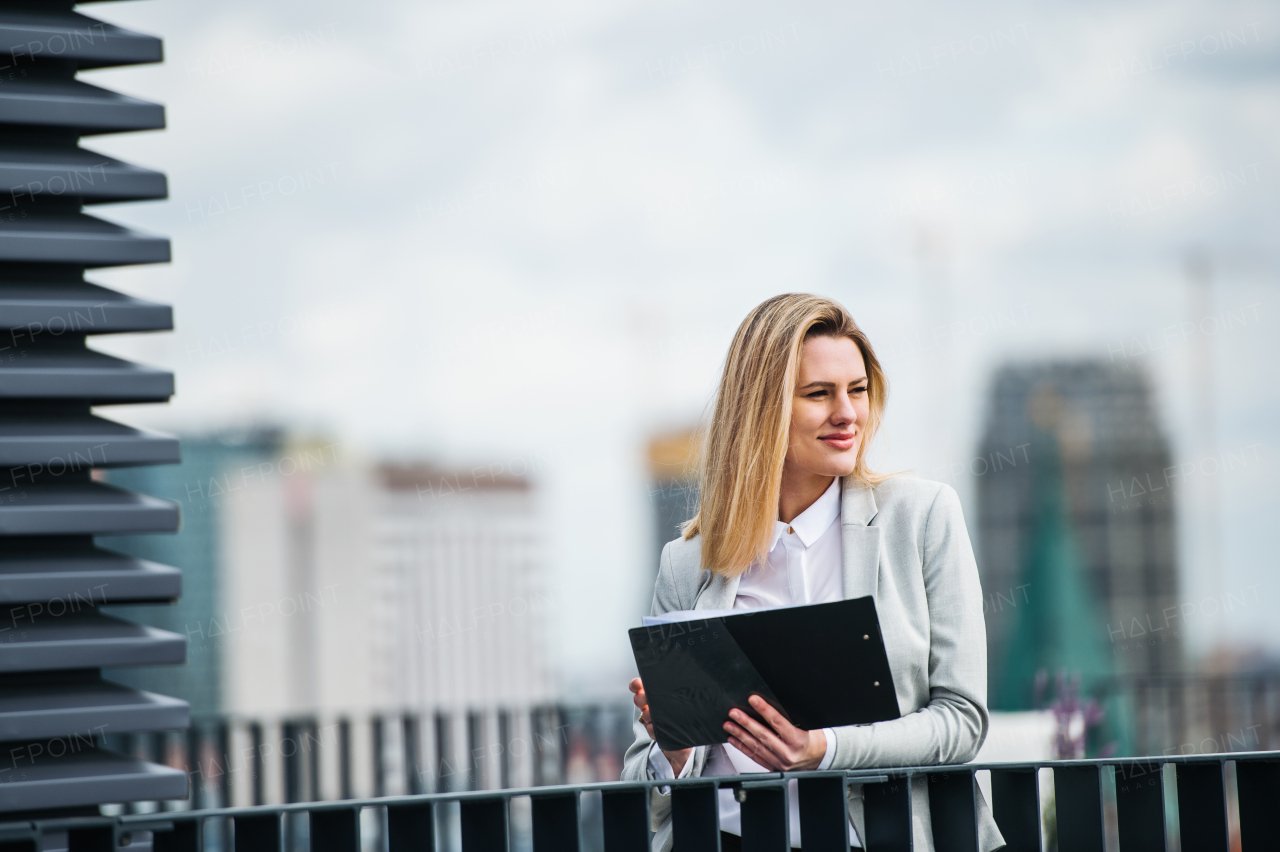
x: 904, y: 543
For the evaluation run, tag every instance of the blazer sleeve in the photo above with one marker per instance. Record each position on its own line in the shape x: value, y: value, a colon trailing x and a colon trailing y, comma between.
x: 635, y: 764
x: 952, y: 726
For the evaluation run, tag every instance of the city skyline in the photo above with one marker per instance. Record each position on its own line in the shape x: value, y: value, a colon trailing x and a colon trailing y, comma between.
x: 551, y: 250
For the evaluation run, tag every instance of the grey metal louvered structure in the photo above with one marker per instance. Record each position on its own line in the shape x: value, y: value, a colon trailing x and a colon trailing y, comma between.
x: 54, y: 573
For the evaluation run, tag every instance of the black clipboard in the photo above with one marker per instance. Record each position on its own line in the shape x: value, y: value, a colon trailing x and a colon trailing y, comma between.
x: 821, y: 665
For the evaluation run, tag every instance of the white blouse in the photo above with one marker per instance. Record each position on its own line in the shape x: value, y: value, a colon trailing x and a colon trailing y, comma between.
x: 804, y: 566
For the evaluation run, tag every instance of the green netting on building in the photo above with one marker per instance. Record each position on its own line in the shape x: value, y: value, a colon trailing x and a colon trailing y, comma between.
x: 1058, y: 628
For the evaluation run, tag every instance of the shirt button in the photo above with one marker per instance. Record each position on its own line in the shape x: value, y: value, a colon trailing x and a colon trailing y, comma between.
x: 790, y: 530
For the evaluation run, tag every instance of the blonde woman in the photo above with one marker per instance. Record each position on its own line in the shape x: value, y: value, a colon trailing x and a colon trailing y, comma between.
x: 790, y: 514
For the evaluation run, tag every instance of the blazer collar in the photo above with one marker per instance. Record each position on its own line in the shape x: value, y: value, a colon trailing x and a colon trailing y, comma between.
x: 861, y: 551
x: 857, y: 503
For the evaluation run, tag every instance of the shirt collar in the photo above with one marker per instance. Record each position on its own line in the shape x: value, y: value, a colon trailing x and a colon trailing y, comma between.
x: 815, y: 520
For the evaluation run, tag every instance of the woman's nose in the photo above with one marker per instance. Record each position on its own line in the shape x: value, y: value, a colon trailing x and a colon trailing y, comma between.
x: 845, y: 413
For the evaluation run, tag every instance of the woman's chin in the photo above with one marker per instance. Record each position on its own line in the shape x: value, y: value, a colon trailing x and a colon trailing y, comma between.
x: 837, y: 466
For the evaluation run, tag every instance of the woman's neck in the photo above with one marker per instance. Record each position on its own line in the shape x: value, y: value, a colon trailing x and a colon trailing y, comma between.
x: 800, y: 490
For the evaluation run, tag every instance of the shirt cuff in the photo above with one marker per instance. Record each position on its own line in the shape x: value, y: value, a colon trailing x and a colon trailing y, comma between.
x: 830, y: 755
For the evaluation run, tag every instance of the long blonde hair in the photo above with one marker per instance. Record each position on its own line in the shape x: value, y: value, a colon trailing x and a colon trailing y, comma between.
x: 745, y: 445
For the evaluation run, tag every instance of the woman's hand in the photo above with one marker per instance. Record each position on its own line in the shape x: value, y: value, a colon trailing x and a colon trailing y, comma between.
x: 780, y: 746
x: 675, y: 758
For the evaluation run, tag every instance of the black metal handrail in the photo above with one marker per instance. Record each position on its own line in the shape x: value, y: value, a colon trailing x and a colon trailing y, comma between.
x: 1208, y: 802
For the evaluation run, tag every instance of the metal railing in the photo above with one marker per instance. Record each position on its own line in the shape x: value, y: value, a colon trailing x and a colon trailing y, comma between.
x: 1201, y: 803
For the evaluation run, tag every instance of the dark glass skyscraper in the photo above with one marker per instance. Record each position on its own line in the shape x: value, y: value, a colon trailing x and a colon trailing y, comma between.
x: 1075, y: 533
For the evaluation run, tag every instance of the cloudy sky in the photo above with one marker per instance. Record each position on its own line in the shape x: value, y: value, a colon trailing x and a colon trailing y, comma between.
x: 490, y: 232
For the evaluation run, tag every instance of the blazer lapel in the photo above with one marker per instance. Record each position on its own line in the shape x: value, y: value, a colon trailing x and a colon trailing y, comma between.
x: 860, y: 542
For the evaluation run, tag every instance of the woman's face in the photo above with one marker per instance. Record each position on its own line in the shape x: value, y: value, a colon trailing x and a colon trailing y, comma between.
x: 829, y: 412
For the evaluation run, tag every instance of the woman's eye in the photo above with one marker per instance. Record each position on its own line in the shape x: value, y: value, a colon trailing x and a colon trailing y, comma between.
x: 816, y: 394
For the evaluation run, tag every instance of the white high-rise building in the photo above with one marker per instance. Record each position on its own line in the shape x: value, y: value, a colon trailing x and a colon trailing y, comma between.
x: 458, y: 591
x: 354, y: 590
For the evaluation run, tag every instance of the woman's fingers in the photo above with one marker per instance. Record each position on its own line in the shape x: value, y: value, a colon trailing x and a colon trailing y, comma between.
x: 775, y: 719
x: 756, y: 750
x: 766, y: 735
x: 775, y: 744
x: 767, y: 754
x: 641, y: 701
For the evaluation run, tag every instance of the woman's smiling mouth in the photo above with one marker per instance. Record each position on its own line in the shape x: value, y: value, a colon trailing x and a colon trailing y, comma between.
x: 839, y: 440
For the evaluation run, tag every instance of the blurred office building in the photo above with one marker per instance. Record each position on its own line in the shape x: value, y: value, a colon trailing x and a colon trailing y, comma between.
x: 1076, y: 539
x: 401, y: 589
x: 460, y: 594
x: 387, y: 586
x: 673, y: 486
x: 1075, y: 528
x: 393, y: 614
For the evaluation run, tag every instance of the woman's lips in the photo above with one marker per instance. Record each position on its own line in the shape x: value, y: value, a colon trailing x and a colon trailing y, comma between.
x: 839, y: 440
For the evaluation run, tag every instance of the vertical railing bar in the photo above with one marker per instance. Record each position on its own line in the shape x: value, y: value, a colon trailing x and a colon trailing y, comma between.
x: 1140, y: 810
x: 1078, y: 797
x: 556, y: 822
x: 1257, y: 791
x: 1203, y: 827
x: 953, y: 811
x: 765, y: 819
x: 625, y: 814
x: 485, y: 824
x: 1015, y: 807
x: 695, y: 818
x: 186, y: 836
x: 1226, y: 806
x: 887, y: 819
x: 98, y: 838
x: 334, y: 830
x: 411, y: 828
x: 823, y: 812
x: 257, y: 833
